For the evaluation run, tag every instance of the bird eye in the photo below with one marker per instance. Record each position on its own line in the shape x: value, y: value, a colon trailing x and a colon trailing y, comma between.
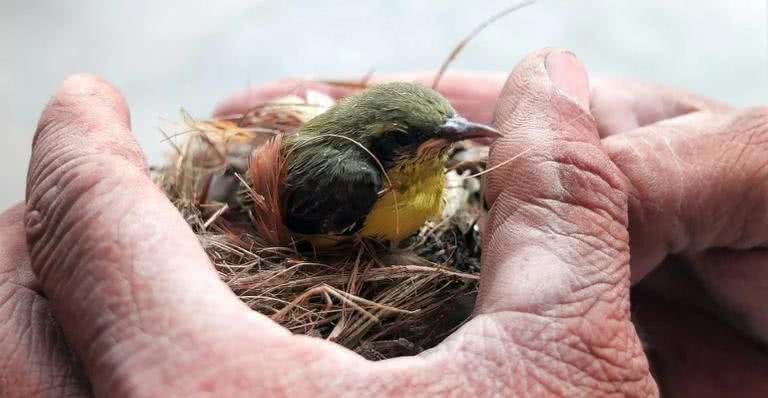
x: 404, y: 138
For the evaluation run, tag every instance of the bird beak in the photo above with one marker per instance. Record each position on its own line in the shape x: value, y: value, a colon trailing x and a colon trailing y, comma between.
x: 458, y: 128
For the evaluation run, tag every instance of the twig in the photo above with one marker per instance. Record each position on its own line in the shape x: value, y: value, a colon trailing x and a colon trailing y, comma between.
x: 472, y: 35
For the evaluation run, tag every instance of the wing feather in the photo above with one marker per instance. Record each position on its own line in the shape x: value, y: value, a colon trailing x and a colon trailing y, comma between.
x: 330, y: 195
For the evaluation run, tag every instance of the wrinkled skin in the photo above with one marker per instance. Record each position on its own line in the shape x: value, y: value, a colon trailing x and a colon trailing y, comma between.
x: 137, y: 300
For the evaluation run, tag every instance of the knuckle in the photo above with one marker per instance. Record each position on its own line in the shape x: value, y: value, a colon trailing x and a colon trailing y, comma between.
x: 747, y: 145
x: 756, y: 113
x: 66, y: 201
x: 577, y: 185
x: 753, y: 124
x: 54, y: 160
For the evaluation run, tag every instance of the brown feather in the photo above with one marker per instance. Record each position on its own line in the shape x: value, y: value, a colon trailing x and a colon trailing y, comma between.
x: 266, y: 173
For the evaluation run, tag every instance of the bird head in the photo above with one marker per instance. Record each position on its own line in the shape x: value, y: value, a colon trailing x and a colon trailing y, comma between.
x: 397, y: 121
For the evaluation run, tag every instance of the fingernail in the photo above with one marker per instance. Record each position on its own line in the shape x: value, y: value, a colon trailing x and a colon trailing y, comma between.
x: 569, y: 76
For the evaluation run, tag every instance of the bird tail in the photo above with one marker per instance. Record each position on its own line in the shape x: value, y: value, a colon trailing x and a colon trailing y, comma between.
x: 266, y: 171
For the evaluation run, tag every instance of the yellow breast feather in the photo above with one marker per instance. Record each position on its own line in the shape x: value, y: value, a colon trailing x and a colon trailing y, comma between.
x: 417, y: 197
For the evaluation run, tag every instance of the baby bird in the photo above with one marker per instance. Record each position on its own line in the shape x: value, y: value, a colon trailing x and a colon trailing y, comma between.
x: 373, y: 164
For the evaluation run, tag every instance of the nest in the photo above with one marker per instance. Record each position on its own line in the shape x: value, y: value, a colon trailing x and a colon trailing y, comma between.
x: 380, y: 299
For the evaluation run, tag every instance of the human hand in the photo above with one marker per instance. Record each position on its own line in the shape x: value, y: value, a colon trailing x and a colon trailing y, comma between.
x: 34, y: 358
x: 695, y: 168
x: 142, y: 327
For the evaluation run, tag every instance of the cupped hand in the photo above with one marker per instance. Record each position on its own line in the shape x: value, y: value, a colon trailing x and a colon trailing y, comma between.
x: 696, y: 180
x: 143, y: 310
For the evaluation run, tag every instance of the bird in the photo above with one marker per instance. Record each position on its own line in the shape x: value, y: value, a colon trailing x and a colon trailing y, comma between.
x: 372, y: 165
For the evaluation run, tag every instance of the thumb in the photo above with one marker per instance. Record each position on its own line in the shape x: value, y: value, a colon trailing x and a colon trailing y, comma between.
x: 558, y: 218
x: 126, y: 277
x: 557, y: 241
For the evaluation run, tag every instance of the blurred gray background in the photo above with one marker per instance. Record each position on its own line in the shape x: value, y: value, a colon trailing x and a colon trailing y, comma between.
x: 167, y: 54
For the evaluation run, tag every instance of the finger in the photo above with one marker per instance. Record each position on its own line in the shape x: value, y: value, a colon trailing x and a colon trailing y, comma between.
x: 555, y: 251
x: 125, y: 275
x: 621, y: 105
x: 250, y: 97
x: 35, y: 358
x: 697, y: 182
x: 618, y: 105
x: 472, y: 94
x: 543, y: 110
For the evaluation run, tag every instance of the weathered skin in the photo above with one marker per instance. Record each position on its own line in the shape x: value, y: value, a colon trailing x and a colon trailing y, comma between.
x: 141, y: 307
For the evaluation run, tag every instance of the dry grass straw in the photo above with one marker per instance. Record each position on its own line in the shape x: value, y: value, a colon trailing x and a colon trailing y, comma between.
x: 379, y: 300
